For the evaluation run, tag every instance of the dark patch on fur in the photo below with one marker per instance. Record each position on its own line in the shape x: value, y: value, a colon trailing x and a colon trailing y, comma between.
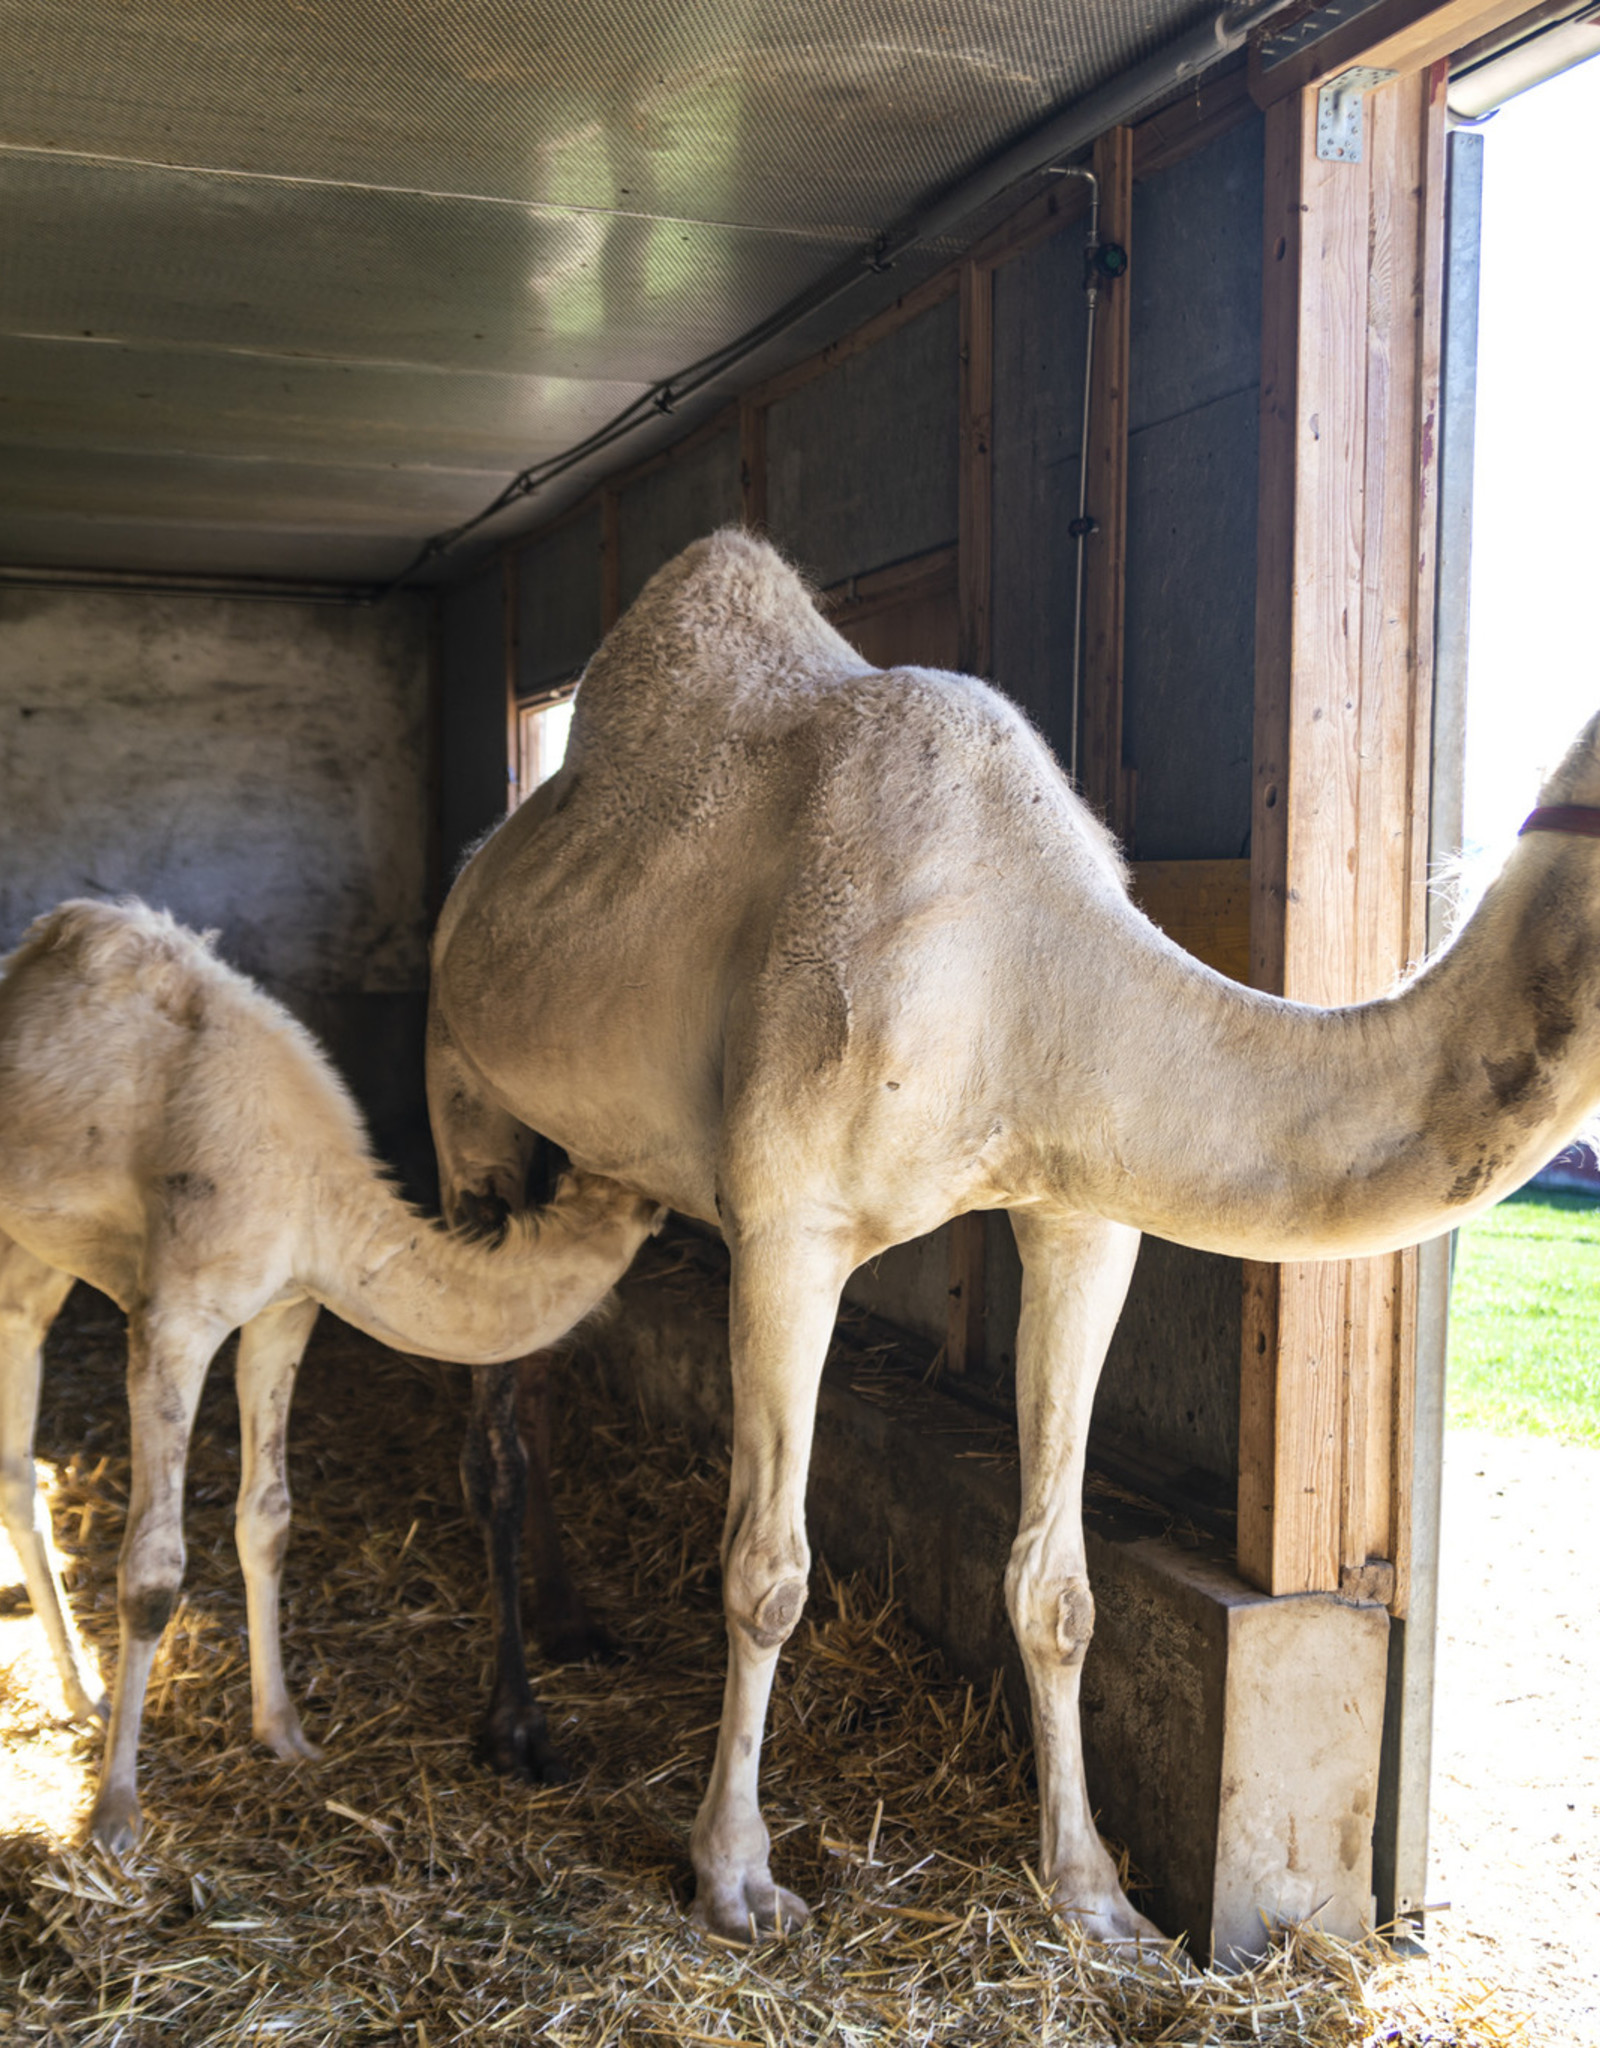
x: 187, y: 1187
x: 1466, y: 1185
x: 148, y: 1613
x: 1512, y: 1081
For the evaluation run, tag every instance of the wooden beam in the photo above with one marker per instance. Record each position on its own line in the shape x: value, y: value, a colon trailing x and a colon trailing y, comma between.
x: 1350, y: 365
x: 975, y: 517
x: 511, y: 631
x: 610, y: 558
x: 1403, y: 36
x: 753, y: 463
x: 1102, y: 774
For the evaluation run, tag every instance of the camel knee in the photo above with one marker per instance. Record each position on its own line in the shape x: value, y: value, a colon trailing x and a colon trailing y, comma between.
x: 764, y: 1590
x: 148, y: 1585
x: 21, y: 1509
x: 261, y: 1530
x: 1052, y: 1609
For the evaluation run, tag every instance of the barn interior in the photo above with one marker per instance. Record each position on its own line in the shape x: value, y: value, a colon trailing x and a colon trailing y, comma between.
x: 361, y: 364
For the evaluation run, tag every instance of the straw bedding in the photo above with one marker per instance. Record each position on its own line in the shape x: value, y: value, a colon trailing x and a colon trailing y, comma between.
x: 394, y: 1892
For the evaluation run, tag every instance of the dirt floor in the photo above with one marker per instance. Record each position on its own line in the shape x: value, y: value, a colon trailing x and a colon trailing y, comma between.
x: 394, y: 1892
x: 1515, y: 1844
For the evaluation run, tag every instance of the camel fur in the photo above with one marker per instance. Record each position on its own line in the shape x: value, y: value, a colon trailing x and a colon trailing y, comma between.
x: 174, y: 1138
x: 828, y: 956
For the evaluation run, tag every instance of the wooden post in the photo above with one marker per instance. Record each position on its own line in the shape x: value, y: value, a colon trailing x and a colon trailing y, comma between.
x: 1349, y: 396
x: 753, y: 461
x: 976, y: 480
x: 964, y: 1328
x: 1106, y: 783
x: 610, y: 558
x: 509, y: 612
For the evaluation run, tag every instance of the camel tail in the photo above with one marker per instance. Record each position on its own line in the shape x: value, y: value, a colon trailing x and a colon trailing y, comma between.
x: 421, y: 1288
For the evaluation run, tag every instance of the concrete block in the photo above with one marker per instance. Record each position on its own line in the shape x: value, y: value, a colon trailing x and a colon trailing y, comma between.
x: 1231, y: 1740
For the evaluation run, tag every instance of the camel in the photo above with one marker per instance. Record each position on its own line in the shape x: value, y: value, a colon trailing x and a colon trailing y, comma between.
x: 826, y: 956
x: 174, y: 1138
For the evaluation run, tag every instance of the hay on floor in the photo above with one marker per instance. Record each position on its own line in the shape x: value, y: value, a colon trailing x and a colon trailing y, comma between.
x: 395, y: 1892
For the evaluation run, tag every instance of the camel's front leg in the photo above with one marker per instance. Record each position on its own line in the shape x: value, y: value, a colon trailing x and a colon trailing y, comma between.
x: 168, y: 1352
x: 785, y: 1296
x: 31, y: 1294
x: 1075, y: 1278
x: 271, y: 1346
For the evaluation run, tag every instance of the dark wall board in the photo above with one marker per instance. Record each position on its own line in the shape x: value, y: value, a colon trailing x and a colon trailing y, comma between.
x: 1188, y: 693
x: 1189, y: 676
x: 862, y: 462
x: 1171, y: 1380
x: 472, y: 683
x: 558, y: 604
x: 1039, y: 328
x: 670, y: 506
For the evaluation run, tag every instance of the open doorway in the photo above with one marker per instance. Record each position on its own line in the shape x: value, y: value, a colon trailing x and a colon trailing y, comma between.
x: 1515, y: 1837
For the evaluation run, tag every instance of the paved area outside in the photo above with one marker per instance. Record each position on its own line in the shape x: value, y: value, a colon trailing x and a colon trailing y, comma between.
x: 1516, y: 1810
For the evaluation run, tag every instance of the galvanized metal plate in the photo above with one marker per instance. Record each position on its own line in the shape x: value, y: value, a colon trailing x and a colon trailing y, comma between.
x: 543, y: 208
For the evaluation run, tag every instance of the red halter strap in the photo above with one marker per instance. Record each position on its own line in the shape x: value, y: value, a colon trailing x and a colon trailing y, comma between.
x: 1580, y: 818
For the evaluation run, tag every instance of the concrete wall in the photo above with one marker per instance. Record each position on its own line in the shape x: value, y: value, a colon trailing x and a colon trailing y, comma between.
x: 473, y: 764
x: 260, y: 768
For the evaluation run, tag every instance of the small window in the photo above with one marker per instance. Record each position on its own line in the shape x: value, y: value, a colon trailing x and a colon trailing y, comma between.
x: 542, y: 730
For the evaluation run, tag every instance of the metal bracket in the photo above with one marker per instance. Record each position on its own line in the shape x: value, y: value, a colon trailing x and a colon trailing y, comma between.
x: 1339, y: 113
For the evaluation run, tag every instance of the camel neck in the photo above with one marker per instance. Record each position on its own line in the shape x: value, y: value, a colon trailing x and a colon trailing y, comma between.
x: 1243, y: 1123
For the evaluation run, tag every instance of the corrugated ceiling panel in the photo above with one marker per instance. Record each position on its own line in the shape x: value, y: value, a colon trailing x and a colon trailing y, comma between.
x: 778, y: 112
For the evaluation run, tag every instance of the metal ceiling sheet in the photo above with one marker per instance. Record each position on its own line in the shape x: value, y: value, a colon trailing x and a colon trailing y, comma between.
x: 541, y: 207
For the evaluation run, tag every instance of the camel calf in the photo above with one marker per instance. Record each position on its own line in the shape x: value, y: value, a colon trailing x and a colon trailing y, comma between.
x: 174, y: 1138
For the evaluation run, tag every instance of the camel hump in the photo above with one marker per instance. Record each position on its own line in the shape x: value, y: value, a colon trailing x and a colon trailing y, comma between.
x: 116, y: 946
x: 727, y: 629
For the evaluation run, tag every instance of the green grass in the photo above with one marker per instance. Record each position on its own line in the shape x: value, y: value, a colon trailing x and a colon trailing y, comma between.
x: 1525, y: 1320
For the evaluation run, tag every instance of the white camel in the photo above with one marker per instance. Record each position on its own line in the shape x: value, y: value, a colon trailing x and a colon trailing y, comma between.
x: 829, y: 956
x: 174, y: 1138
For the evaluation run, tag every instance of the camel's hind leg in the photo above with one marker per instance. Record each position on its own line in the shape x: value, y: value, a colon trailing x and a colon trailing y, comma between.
x: 31, y: 1294
x: 1075, y: 1278
x: 785, y: 1296
x: 168, y: 1352
x: 271, y: 1346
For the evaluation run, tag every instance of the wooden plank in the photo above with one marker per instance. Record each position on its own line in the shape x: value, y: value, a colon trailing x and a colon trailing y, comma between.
x: 1344, y: 653
x: 1102, y: 775
x: 1204, y: 905
x: 753, y: 463
x: 510, y: 623
x: 975, y: 518
x: 1403, y: 36
x: 610, y: 558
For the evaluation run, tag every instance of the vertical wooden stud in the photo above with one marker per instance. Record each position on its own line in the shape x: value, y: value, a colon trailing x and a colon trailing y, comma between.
x: 509, y: 582
x: 976, y: 484
x: 1349, y: 393
x: 610, y: 559
x: 753, y: 461
x: 1105, y: 781
x: 965, y: 1337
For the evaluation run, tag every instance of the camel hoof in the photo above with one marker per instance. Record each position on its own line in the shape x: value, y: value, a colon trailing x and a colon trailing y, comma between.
x: 1111, y: 1921
x: 748, y: 1908
x: 575, y: 1639
x: 116, y: 1822
x: 519, y: 1746
x: 289, y: 1742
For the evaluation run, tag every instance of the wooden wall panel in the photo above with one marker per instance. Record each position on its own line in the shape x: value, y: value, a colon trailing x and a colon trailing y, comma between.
x: 1344, y: 670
